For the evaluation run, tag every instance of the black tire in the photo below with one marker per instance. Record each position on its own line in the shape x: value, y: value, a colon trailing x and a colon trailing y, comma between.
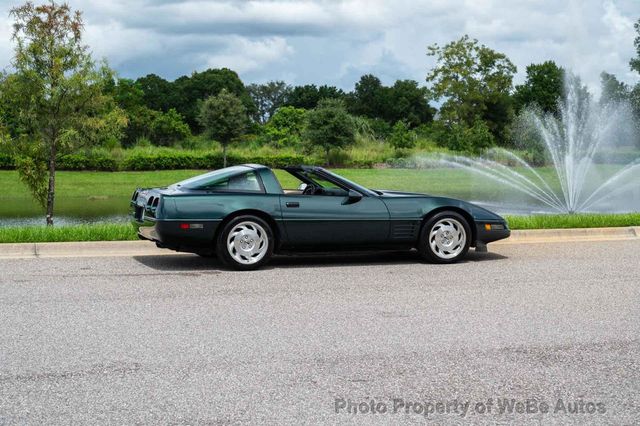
x: 446, y: 221
x: 263, y: 238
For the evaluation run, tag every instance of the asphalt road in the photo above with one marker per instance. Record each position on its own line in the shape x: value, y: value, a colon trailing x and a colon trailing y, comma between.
x: 177, y: 340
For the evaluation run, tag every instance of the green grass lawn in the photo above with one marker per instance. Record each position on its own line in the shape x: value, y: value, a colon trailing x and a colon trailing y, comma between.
x: 93, y: 232
x: 125, y: 231
x: 122, y: 184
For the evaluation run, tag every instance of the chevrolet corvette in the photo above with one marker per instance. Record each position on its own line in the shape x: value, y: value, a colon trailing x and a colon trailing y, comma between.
x: 242, y: 215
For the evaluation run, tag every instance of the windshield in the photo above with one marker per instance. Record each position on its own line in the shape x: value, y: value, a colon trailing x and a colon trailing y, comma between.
x: 211, y: 178
x: 352, y: 184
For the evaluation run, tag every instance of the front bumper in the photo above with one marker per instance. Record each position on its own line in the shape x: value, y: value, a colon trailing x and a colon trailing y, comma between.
x: 486, y: 236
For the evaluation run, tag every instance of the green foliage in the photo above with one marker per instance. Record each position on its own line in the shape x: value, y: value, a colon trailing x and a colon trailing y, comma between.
x: 54, y: 101
x: 157, y: 93
x: 474, y: 82
x: 329, y: 126
x: 268, y: 98
x: 224, y: 118
x: 32, y: 173
x: 285, y: 127
x: 6, y: 162
x: 479, y: 137
x: 168, y: 128
x: 139, y: 126
x: 635, y: 62
x: 126, y: 93
x: 369, y: 99
x: 458, y: 137
x: 176, y: 160
x: 106, y: 129
x: 91, y: 161
x: 189, y: 91
x: 410, y: 103
x: 543, y: 87
x: 404, y: 101
x: 161, y: 129
x: 401, y: 137
x: 308, y: 96
x: 613, y: 90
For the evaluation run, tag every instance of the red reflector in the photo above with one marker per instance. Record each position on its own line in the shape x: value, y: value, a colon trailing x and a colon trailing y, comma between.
x: 184, y: 226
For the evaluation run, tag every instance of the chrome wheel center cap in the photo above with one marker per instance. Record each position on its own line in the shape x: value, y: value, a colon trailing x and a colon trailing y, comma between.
x: 246, y: 243
x: 446, y: 238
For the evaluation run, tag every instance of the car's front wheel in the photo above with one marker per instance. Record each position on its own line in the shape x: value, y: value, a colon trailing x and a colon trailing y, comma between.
x: 445, y: 238
x: 245, y: 243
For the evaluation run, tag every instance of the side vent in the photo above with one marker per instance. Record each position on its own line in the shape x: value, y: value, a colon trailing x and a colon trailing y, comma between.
x: 404, y: 230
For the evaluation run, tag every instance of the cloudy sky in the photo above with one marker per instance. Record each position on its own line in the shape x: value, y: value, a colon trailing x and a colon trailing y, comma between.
x: 335, y: 42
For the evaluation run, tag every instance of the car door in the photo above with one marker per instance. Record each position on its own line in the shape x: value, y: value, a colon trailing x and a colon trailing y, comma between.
x: 325, y: 220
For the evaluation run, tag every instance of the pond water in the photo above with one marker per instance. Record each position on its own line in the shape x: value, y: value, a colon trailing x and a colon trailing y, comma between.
x: 68, y: 211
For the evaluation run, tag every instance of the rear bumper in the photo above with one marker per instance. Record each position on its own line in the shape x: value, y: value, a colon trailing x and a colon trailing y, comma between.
x: 148, y: 233
x: 170, y: 235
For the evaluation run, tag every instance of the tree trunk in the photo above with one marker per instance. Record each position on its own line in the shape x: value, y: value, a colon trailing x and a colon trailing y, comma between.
x: 52, y: 184
x: 224, y: 155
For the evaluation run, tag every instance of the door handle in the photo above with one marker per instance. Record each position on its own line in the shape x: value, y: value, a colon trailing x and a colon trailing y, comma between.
x: 292, y: 204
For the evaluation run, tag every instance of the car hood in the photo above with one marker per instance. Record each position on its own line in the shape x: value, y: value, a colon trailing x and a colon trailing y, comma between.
x: 478, y: 213
x: 388, y: 193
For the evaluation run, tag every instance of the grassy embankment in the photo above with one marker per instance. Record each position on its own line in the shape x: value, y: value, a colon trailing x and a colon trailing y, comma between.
x: 123, y: 232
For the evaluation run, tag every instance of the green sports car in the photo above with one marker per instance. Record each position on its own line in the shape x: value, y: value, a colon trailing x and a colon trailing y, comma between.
x: 243, y: 215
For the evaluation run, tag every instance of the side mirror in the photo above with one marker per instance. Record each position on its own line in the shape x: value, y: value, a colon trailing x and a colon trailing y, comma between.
x: 302, y: 187
x: 352, y: 197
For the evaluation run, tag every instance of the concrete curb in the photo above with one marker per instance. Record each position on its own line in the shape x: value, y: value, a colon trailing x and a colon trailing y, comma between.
x: 146, y: 248
x: 82, y: 249
x: 571, y: 235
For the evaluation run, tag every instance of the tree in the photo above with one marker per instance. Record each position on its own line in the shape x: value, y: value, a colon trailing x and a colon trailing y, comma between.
x: 635, y: 62
x: 369, y: 98
x: 189, y: 91
x: 472, y: 79
x: 330, y: 126
x: 613, y: 90
x: 408, y: 102
x: 224, y: 118
x: 268, y: 98
x: 401, y: 137
x: 157, y: 93
x: 55, y: 95
x: 544, y: 87
x: 286, y: 126
x: 127, y: 93
x: 168, y: 128
x: 308, y: 96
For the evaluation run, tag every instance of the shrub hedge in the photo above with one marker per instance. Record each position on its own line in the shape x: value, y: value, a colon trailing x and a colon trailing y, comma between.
x: 6, y: 162
x: 162, y: 161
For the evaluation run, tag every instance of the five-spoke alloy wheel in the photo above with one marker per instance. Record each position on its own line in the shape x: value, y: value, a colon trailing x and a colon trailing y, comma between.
x: 445, y: 238
x: 245, y: 243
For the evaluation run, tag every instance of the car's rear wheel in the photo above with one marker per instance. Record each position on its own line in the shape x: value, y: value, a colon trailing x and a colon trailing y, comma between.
x: 245, y: 243
x: 445, y: 238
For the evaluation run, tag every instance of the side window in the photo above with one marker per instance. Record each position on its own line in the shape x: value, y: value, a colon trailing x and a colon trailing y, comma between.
x: 243, y: 182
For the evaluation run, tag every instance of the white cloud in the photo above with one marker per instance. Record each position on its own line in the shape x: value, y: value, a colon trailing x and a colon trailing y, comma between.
x: 335, y: 41
x: 242, y: 54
